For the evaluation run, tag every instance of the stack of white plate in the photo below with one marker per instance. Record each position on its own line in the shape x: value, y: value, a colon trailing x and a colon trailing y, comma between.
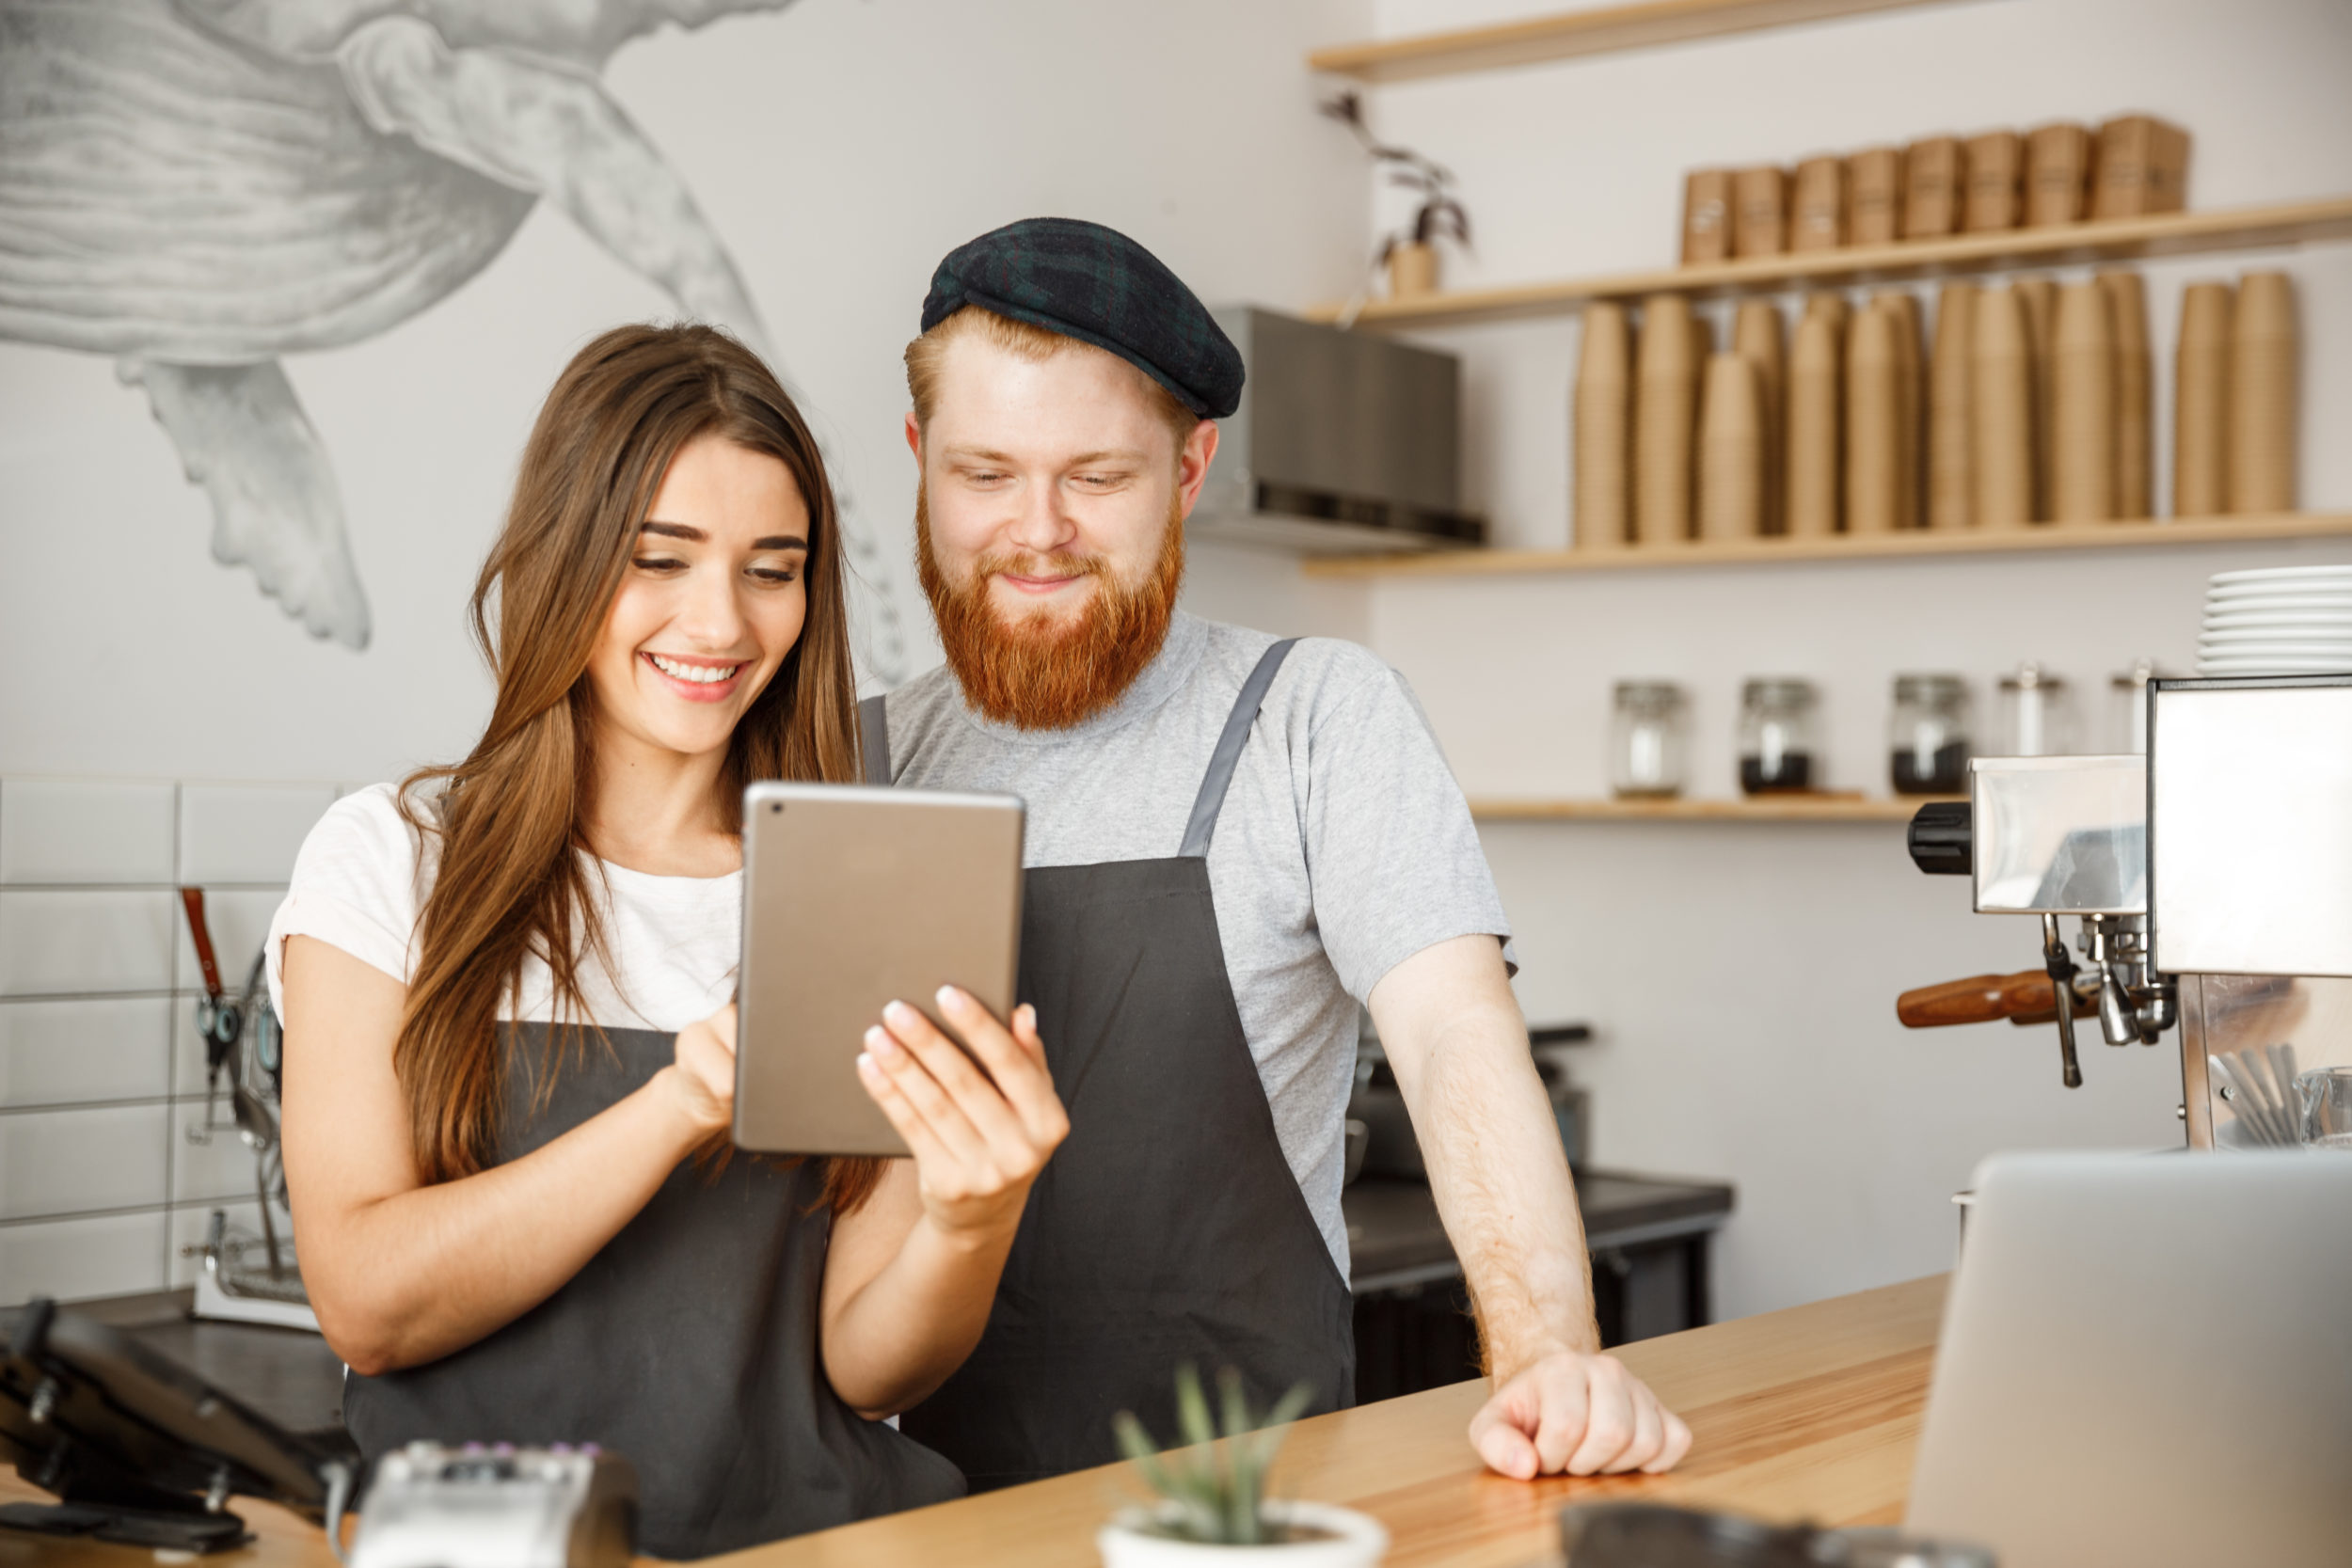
x: 2278, y: 621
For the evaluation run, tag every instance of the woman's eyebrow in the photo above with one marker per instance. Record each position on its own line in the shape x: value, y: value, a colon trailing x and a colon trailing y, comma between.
x: 695, y: 535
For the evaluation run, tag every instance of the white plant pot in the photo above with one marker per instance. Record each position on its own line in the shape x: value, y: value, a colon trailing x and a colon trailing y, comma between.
x: 1353, y: 1541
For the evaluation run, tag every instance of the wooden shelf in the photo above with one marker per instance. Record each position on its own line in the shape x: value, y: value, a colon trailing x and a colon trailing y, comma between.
x: 2156, y: 532
x: 1762, y: 807
x: 1599, y: 31
x: 2105, y: 240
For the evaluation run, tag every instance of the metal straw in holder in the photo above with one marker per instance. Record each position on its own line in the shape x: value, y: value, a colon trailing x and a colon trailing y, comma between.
x: 2259, y: 1085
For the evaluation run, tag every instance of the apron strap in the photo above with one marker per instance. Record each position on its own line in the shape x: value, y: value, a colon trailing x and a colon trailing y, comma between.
x: 1211, y: 799
x: 873, y: 731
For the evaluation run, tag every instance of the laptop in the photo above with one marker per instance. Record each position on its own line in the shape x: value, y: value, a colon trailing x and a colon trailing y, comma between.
x: 2147, y: 1359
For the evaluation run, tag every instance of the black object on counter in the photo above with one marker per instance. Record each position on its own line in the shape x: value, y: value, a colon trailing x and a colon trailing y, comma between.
x: 1658, y: 1535
x: 139, y: 1449
x: 1942, y: 838
x: 1793, y: 771
x: 1946, y: 773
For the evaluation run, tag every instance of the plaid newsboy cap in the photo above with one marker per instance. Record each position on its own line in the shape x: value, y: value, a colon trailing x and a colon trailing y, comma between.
x: 1096, y: 285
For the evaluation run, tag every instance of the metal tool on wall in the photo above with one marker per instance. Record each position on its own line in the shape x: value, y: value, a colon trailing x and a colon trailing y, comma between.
x: 244, y: 1059
x: 2208, y: 878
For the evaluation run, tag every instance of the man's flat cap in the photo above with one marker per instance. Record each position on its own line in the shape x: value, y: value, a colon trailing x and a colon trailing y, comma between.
x: 1096, y: 285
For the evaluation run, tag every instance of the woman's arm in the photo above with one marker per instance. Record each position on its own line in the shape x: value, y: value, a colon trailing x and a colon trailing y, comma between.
x: 402, y: 1273
x: 910, y: 1274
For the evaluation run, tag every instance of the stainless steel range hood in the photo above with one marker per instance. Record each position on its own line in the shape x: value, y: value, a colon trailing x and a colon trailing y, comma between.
x: 1344, y: 443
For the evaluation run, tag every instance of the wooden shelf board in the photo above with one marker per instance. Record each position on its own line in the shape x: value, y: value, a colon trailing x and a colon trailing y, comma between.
x: 1762, y: 807
x: 2156, y: 532
x: 1598, y: 31
x: 2105, y: 239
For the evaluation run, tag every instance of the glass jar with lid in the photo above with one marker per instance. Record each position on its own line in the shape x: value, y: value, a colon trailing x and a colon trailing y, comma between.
x: 2037, y: 714
x: 1648, y: 740
x: 1779, y: 735
x: 1927, y: 736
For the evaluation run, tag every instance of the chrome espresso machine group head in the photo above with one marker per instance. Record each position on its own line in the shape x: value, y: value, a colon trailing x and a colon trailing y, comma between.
x: 2212, y: 879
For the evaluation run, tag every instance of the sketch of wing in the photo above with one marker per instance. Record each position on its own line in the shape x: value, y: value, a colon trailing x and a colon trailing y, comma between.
x: 276, y: 509
x: 543, y: 126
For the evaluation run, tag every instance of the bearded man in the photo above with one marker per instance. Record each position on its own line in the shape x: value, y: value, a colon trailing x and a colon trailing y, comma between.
x: 1233, y: 842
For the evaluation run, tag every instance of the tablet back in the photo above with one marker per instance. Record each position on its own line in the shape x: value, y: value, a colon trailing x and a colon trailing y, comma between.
x: 853, y: 897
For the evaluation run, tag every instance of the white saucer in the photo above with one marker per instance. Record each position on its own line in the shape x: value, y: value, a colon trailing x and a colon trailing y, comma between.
x: 2279, y: 574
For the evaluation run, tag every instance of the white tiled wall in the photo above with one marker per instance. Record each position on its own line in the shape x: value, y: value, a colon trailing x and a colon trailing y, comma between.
x: 103, y: 1179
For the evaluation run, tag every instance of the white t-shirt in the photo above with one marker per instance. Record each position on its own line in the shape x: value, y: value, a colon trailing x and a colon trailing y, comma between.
x: 675, y: 941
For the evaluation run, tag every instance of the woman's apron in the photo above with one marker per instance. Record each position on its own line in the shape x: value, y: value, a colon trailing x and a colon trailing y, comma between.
x: 688, y: 1344
x: 1168, y: 1227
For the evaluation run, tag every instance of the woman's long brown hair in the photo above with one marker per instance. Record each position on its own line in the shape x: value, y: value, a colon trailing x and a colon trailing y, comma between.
x: 515, y: 869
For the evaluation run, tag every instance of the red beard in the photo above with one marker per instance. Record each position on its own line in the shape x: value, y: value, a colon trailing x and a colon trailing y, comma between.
x: 1030, y: 672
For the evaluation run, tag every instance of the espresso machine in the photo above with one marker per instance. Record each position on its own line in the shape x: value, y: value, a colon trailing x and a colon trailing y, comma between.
x: 2211, y: 884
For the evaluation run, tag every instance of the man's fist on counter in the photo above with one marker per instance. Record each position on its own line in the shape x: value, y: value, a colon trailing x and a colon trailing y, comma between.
x: 1577, y: 1415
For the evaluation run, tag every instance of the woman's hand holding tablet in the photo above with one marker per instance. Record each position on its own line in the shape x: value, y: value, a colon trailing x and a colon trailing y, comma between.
x: 911, y: 1273
x: 981, y: 1125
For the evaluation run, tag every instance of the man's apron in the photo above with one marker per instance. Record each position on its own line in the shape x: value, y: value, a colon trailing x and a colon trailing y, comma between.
x: 1168, y: 1227
x: 688, y: 1344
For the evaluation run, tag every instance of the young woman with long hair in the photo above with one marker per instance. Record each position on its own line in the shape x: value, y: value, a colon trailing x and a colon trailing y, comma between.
x: 506, y: 986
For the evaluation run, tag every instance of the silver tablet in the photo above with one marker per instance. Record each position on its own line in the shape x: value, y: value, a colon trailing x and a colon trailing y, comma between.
x: 855, y: 898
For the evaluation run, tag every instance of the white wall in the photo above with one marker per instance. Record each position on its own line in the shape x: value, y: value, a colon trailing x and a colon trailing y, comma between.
x: 839, y: 148
x: 1743, y: 975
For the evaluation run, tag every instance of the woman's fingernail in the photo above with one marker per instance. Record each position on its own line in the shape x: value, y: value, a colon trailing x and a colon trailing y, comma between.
x: 879, y: 1045
x: 950, y: 997
x: 865, y: 1068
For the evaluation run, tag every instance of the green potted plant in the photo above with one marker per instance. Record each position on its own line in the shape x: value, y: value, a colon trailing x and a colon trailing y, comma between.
x: 1214, y: 1506
x: 1410, y: 254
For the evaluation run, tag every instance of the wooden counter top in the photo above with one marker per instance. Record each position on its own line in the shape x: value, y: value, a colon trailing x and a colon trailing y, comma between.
x: 1811, y: 1413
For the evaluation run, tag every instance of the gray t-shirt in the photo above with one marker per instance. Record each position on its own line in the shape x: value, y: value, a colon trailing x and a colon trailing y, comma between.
x: 1345, y: 846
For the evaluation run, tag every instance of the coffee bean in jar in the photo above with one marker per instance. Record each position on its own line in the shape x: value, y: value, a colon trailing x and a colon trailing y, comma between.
x: 1927, y: 736
x: 1779, y: 735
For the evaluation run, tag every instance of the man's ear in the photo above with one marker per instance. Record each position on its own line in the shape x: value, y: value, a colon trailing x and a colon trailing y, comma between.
x: 914, y: 438
x: 1192, y: 463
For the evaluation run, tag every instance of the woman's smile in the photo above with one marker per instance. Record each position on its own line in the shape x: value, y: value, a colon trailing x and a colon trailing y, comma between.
x: 697, y: 680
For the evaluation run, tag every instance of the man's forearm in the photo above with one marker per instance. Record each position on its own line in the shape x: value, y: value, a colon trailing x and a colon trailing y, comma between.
x: 1492, y: 1147
x: 1491, y: 1144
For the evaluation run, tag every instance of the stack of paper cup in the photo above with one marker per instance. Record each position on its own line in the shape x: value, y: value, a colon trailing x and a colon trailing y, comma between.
x: 2261, y: 396
x: 1952, y: 455
x: 2000, y: 384
x: 2127, y: 300
x: 2200, y: 403
x: 1603, y: 429
x: 1755, y: 333
x: 2082, y: 412
x: 1674, y: 347
x: 2278, y: 621
x: 1874, y: 415
x: 1731, y: 450
x: 1815, y: 407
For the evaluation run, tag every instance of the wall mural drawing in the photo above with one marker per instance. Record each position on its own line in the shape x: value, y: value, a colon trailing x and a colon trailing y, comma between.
x: 199, y: 187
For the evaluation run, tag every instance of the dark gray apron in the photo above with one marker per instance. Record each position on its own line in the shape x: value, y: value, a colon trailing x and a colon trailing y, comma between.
x: 688, y: 1344
x: 1168, y: 1227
